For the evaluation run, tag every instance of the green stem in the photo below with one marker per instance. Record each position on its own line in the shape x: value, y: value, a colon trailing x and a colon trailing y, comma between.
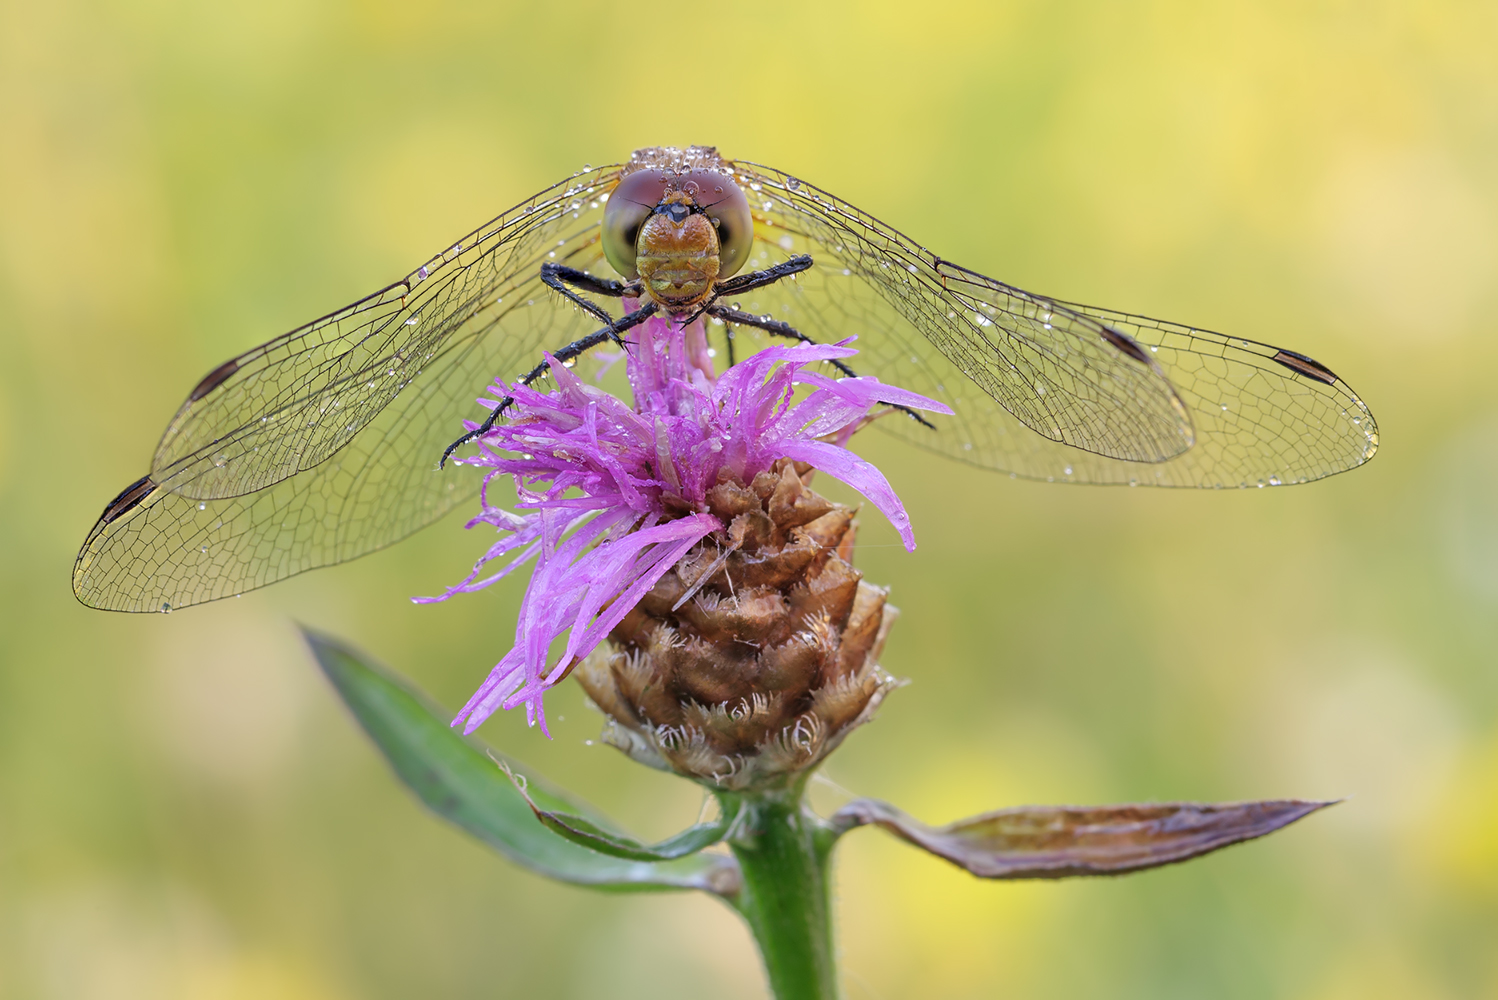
x: 784, y: 849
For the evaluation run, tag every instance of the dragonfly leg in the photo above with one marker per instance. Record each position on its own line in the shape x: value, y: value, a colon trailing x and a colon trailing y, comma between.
x: 558, y: 276
x: 781, y: 328
x: 564, y: 355
x: 754, y: 279
x: 769, y: 324
x: 759, y: 279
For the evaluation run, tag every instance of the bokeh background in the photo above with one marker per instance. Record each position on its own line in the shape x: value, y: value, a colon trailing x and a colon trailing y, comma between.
x: 186, y: 812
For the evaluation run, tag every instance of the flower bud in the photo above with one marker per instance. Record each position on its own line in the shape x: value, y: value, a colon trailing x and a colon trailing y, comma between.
x: 751, y: 659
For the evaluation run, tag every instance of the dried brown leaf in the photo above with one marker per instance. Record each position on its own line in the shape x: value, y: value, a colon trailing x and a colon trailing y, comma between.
x: 1064, y: 841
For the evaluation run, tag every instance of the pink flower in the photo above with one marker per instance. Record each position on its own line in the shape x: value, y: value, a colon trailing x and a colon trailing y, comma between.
x: 618, y: 494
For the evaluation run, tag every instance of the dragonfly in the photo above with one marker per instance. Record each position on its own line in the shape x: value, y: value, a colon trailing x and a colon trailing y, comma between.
x: 328, y: 442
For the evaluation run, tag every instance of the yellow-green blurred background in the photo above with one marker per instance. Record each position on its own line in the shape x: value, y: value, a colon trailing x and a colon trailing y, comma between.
x: 185, y: 812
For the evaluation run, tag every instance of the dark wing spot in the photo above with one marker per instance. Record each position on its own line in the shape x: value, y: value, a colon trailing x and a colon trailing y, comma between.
x: 1306, y: 366
x: 128, y: 498
x: 1128, y: 345
x: 213, y: 380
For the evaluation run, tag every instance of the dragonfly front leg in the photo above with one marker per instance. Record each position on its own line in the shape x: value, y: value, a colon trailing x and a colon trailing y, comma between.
x: 759, y: 279
x: 752, y: 280
x: 558, y: 276
x: 568, y: 353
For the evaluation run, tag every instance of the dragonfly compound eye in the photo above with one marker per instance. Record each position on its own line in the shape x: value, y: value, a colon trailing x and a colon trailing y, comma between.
x: 628, y: 208
x: 725, y: 204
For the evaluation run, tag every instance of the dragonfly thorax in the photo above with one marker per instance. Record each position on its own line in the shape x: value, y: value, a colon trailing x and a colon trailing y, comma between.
x: 676, y: 254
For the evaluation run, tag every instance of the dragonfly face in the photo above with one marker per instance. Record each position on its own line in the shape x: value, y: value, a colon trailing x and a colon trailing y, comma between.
x: 679, y: 231
x: 323, y: 444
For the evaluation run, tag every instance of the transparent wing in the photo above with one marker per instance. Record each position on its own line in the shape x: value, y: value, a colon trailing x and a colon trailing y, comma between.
x: 322, y: 445
x: 1046, y: 389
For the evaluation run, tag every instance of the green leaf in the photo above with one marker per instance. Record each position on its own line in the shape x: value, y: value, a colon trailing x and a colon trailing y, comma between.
x: 600, y: 836
x: 1064, y: 841
x: 459, y: 779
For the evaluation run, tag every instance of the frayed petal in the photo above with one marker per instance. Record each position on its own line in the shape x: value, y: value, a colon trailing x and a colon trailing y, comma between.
x: 863, y: 476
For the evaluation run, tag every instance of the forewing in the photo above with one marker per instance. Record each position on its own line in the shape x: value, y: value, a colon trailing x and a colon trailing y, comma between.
x: 1047, y: 389
x: 479, y: 312
x: 287, y: 405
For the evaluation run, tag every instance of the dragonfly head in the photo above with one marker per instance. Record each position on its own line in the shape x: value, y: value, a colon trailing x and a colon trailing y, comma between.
x: 678, y: 230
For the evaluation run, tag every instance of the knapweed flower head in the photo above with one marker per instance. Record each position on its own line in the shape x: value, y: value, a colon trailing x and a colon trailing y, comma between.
x: 614, y: 496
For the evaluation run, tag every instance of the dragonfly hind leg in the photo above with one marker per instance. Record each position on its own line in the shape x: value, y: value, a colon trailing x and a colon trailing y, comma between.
x: 566, y: 354
x: 780, y: 328
x: 769, y: 324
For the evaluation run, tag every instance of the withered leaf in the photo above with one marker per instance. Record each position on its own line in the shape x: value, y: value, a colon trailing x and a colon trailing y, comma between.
x: 1065, y: 841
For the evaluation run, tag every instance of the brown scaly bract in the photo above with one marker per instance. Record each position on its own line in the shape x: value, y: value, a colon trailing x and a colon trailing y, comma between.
x: 766, y: 666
